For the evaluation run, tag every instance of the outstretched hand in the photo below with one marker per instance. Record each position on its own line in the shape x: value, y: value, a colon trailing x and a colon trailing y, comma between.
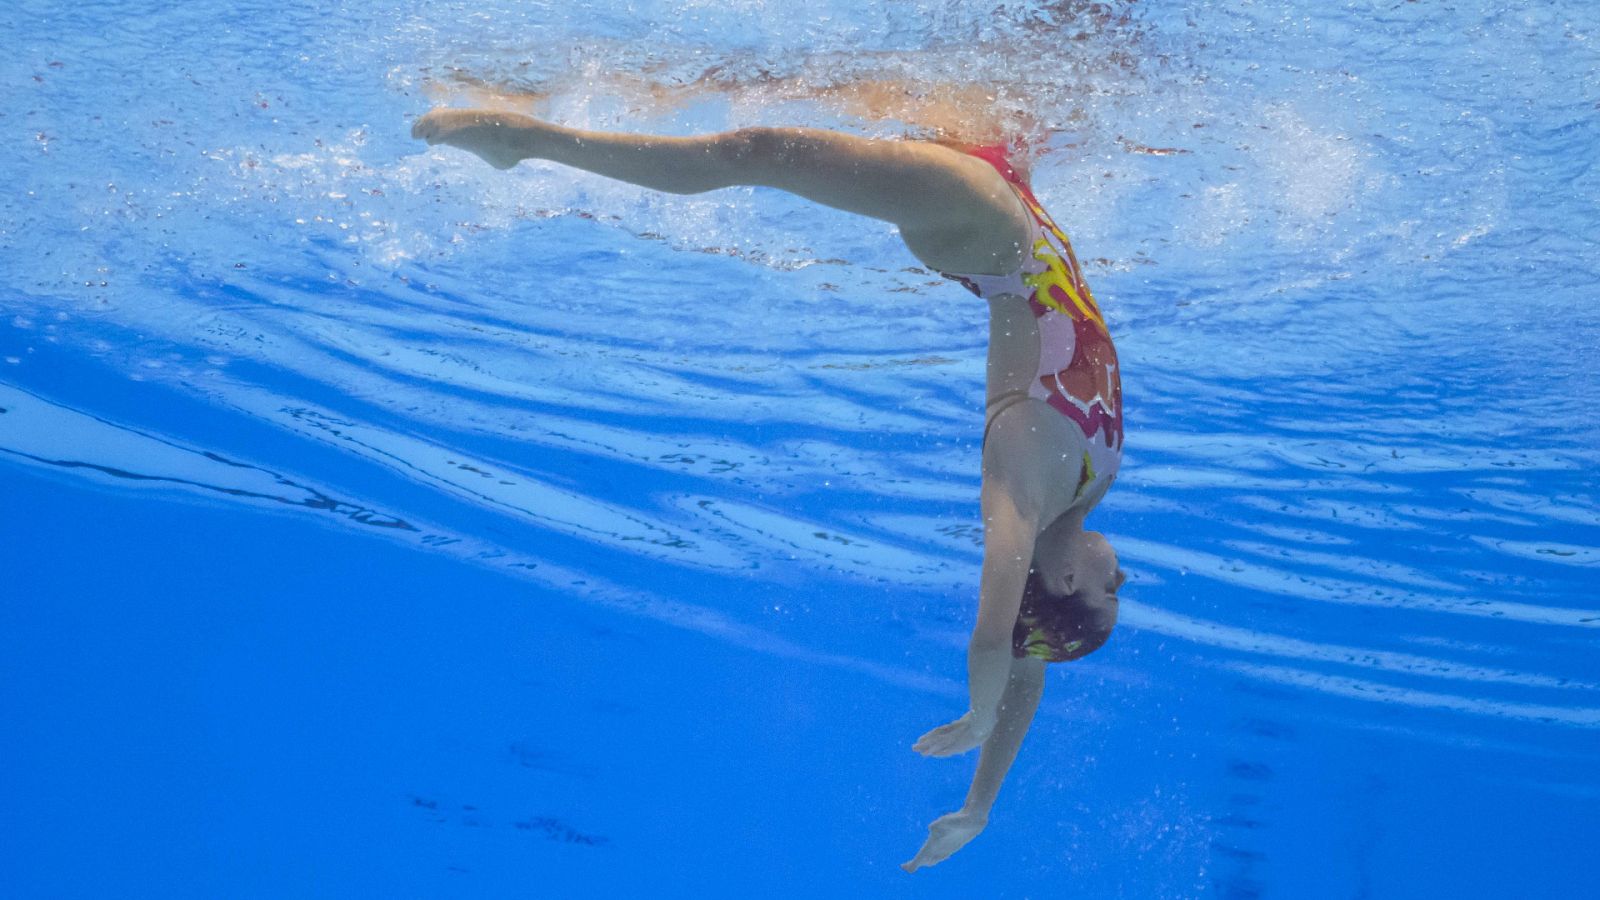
x: 947, y: 834
x: 954, y: 739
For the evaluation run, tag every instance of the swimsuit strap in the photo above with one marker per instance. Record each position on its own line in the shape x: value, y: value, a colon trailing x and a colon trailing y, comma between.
x: 998, y: 405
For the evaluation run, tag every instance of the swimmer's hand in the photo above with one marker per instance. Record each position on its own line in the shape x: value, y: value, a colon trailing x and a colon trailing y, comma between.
x: 947, y: 834
x: 956, y: 738
x: 498, y: 137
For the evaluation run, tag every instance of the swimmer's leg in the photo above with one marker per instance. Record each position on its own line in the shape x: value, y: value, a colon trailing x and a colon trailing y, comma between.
x: 940, y: 198
x: 952, y: 831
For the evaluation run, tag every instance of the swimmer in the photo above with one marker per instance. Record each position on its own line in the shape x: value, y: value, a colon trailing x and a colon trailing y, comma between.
x: 1052, y: 437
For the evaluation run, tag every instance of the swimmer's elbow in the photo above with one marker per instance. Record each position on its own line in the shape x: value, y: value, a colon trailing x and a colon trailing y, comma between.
x: 989, y: 642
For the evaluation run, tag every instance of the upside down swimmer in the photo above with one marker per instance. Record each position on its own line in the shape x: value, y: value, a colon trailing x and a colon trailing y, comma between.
x: 1053, y: 422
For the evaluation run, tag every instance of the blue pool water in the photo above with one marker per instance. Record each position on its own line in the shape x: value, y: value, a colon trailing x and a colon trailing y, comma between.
x: 373, y: 523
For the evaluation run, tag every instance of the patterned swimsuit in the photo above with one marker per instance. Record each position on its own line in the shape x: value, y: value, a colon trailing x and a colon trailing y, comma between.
x: 1078, y: 374
x: 1078, y: 378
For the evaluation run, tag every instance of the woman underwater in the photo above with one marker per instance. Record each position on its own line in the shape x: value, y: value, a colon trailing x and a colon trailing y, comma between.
x: 1053, y: 424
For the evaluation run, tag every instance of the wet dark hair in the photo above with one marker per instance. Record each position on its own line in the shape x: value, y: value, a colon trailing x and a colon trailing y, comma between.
x: 1060, y: 627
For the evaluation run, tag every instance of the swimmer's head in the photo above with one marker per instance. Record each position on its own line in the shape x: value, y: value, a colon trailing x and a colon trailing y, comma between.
x: 1070, y: 613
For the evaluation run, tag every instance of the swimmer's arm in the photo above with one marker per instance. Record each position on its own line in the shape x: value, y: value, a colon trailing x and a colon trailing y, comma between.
x: 1008, y: 539
x: 952, y: 831
x: 1009, y: 535
x: 1017, y: 706
x: 937, y: 195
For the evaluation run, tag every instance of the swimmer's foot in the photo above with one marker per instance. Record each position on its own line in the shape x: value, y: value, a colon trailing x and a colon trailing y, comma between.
x: 946, y: 835
x: 498, y: 137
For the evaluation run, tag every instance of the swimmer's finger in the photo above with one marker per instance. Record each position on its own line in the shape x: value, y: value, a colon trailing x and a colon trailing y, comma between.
x: 953, y: 744
x: 935, y: 739
x: 949, y: 748
x: 949, y: 740
x: 930, y: 740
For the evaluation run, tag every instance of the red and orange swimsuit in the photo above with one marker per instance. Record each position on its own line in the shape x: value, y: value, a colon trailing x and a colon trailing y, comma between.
x: 1078, y: 375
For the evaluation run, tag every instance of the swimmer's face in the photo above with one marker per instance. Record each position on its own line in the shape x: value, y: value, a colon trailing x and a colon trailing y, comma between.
x: 1099, y: 578
x: 1070, y: 613
x: 1093, y: 572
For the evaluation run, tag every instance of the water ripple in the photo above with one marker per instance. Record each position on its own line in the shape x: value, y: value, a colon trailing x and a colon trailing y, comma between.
x: 1355, y: 688
x: 1301, y: 586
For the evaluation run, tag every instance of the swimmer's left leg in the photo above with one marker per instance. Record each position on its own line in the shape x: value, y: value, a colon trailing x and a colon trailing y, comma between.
x: 952, y: 831
x: 910, y: 183
x: 954, y: 211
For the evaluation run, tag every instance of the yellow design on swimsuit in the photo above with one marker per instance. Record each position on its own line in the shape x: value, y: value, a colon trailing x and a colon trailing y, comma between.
x: 1077, y: 372
x: 1055, y: 274
x: 1085, y: 475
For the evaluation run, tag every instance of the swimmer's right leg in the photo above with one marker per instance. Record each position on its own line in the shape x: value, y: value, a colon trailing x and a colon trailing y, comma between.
x: 945, y: 202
